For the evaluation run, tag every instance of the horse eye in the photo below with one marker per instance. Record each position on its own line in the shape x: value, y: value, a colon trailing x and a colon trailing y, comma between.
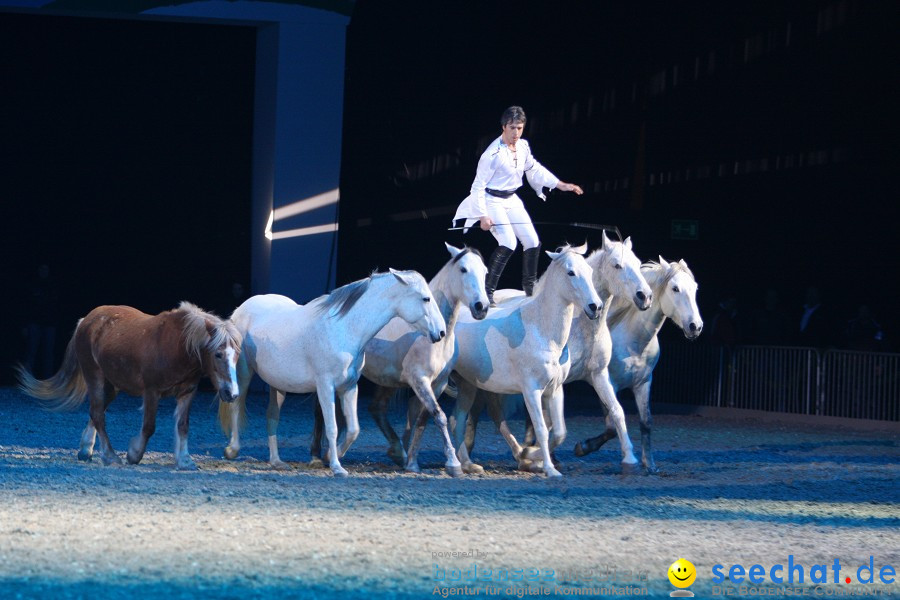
x: 463, y: 270
x: 618, y: 266
x: 426, y: 299
x: 219, y: 355
x: 571, y: 273
x: 675, y: 289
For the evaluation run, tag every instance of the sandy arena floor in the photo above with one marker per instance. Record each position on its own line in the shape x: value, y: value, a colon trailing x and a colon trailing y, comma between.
x: 734, y: 488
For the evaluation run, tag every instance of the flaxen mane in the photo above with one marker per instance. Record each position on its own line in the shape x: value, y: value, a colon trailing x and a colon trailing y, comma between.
x: 196, y: 335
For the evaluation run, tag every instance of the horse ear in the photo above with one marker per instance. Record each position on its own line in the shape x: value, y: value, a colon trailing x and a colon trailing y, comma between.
x: 553, y: 255
x: 605, y: 240
x: 400, y: 275
x: 627, y: 242
x: 210, y: 328
x: 582, y: 249
x: 663, y: 262
x: 453, y: 250
x: 682, y: 263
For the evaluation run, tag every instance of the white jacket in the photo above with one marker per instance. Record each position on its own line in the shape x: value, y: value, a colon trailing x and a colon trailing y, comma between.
x: 497, y: 170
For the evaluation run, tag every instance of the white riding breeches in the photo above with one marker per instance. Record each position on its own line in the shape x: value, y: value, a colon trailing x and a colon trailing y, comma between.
x: 511, y: 221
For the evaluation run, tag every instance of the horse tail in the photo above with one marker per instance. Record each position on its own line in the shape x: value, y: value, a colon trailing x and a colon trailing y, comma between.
x: 225, y: 408
x: 63, y: 391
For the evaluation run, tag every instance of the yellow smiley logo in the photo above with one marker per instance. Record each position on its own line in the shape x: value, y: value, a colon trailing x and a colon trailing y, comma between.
x: 682, y: 573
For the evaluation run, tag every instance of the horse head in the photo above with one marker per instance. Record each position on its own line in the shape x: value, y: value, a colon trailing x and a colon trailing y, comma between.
x: 467, y: 273
x: 617, y: 269
x: 217, y: 342
x: 569, y: 262
x: 415, y: 305
x: 678, y: 297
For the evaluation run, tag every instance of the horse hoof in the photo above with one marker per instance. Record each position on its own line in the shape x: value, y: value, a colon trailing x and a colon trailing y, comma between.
x: 133, y: 459
x: 85, y: 456
x: 529, y: 466
x: 472, y: 469
x: 316, y: 463
x: 231, y: 453
x: 533, y: 453
x: 186, y: 467
x: 579, y: 450
x: 115, y: 460
x: 553, y: 474
x: 652, y: 469
x: 280, y: 465
x: 413, y: 468
x: 339, y: 472
x: 455, y: 471
x: 398, y: 456
x: 630, y: 468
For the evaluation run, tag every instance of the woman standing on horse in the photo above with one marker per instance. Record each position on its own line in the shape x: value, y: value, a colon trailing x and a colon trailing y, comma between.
x: 494, y: 203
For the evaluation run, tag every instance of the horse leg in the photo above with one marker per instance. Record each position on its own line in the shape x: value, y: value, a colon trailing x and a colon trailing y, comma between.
x: 415, y: 412
x: 100, y: 392
x: 533, y: 404
x: 496, y: 407
x: 183, y: 460
x: 238, y: 408
x: 465, y: 398
x: 422, y: 388
x: 89, y: 435
x: 553, y: 415
x: 325, y: 391
x: 415, y: 427
x: 351, y: 418
x: 528, y: 440
x: 315, y: 445
x: 585, y: 447
x: 557, y: 420
x: 138, y: 443
x: 273, y: 415
x: 615, y: 417
x: 642, y: 398
x: 378, y: 408
x: 472, y: 421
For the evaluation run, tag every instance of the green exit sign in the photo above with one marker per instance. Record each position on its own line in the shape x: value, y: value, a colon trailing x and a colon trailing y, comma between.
x: 685, y: 229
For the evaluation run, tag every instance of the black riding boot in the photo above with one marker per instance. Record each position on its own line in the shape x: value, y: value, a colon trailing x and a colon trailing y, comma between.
x: 495, y: 268
x: 529, y: 269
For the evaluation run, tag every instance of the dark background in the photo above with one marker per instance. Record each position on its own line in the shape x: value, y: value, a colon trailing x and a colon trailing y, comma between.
x: 126, y: 151
x: 769, y: 123
x: 126, y: 145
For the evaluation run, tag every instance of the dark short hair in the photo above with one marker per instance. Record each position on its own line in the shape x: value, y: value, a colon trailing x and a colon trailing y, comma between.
x: 513, y: 114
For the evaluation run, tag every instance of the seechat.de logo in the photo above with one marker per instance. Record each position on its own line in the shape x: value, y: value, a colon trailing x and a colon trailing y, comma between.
x: 794, y: 572
x: 682, y: 574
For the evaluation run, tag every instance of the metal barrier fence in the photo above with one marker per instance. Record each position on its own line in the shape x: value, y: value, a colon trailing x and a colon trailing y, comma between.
x: 841, y: 383
x: 863, y: 385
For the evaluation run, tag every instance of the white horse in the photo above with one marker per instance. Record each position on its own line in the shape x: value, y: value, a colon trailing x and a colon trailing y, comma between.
x: 318, y: 347
x: 636, y: 347
x: 400, y: 357
x: 521, y: 350
x: 616, y: 276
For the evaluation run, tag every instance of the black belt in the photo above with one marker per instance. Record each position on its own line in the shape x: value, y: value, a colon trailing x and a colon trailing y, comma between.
x: 500, y: 193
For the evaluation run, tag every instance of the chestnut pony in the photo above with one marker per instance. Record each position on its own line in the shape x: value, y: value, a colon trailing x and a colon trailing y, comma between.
x: 120, y: 348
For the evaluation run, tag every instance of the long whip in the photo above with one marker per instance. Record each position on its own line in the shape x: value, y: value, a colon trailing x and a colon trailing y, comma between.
x: 597, y: 226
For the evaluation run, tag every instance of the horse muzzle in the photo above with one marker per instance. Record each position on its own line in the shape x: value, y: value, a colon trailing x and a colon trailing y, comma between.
x: 226, y: 396
x: 479, y: 310
x: 643, y: 301
x: 692, y: 331
x: 592, y: 311
x: 436, y: 337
